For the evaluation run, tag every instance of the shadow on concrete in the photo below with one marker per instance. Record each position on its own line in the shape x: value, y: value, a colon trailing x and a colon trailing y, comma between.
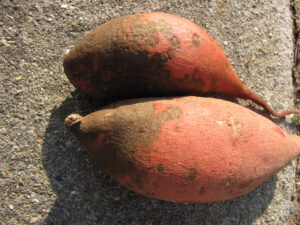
x: 85, y: 195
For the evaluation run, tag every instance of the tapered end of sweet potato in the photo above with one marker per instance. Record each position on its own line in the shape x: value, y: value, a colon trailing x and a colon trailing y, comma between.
x: 72, y: 121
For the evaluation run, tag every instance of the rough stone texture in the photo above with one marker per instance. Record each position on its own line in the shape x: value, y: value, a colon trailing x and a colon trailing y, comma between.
x: 295, y: 217
x: 46, y: 176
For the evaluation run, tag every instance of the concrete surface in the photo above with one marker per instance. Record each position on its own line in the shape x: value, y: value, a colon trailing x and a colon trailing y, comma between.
x: 296, y: 74
x: 45, y: 175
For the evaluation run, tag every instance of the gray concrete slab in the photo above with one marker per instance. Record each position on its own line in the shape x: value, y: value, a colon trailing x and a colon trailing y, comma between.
x: 46, y: 176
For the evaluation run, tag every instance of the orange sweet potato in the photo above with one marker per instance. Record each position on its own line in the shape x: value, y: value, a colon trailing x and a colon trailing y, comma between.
x: 153, y: 54
x: 188, y: 149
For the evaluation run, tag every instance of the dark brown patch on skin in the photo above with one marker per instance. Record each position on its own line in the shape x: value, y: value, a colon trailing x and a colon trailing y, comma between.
x: 192, y: 83
x: 172, y: 112
x: 160, y: 168
x: 196, y: 40
x: 196, y: 79
x: 192, y: 174
x: 175, y: 45
x: 145, y: 32
x: 125, y: 145
x: 117, y: 67
x: 163, y: 27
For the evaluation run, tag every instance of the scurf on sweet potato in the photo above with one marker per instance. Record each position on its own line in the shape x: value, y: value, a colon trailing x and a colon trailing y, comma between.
x: 153, y: 54
x: 188, y: 149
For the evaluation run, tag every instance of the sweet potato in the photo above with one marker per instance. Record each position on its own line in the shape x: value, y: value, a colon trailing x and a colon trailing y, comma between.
x: 153, y: 54
x: 188, y: 149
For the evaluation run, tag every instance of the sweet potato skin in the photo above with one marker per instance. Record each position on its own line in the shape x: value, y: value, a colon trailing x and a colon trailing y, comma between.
x: 150, y: 54
x: 153, y: 54
x: 189, y: 149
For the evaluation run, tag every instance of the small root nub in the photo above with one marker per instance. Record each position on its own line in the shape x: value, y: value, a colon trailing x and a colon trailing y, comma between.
x: 72, y: 119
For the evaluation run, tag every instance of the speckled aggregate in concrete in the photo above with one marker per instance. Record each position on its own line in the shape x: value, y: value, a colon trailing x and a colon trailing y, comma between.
x: 46, y: 176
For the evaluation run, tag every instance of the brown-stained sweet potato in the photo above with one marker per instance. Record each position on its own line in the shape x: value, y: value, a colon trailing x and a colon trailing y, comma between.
x: 153, y: 54
x: 188, y: 149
